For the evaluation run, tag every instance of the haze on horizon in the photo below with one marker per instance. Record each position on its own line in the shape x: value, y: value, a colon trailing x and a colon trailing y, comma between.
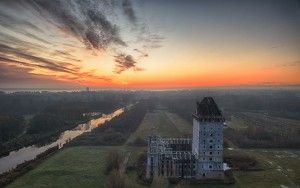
x: 149, y: 44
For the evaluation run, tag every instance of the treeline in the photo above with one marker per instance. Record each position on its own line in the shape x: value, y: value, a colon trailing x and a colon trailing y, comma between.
x: 53, y: 113
x: 23, y: 103
x: 280, y: 103
x: 259, y: 137
x: 117, y: 130
x: 10, y: 127
x: 260, y: 132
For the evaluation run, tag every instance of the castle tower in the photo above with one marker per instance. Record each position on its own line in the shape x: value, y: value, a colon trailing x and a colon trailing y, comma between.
x: 207, y: 144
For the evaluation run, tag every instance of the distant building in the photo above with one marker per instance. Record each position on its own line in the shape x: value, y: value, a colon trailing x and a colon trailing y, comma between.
x: 87, y: 89
x: 200, y: 157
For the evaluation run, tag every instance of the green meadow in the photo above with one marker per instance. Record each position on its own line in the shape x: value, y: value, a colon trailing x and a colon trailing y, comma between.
x: 83, y: 166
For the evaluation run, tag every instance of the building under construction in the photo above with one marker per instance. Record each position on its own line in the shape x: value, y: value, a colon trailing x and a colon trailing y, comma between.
x: 200, y: 157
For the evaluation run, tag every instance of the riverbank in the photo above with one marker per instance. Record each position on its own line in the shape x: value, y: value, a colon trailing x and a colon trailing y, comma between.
x: 8, y: 177
x: 28, y: 153
x: 38, y: 139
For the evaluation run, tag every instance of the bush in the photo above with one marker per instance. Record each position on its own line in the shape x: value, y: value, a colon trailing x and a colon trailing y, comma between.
x: 116, y: 180
x: 241, y: 162
x: 113, y: 161
x: 141, y: 169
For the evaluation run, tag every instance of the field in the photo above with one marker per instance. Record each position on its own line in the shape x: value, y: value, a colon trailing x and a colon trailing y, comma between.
x: 165, y: 123
x: 83, y: 166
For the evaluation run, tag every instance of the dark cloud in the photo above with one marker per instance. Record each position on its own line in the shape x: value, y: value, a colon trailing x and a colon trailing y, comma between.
x: 91, y: 22
x: 8, y: 55
x: 13, y: 73
x: 125, y: 62
x: 15, y: 76
x: 152, y: 41
x: 128, y: 10
x: 36, y: 38
x: 66, y: 55
x: 83, y: 19
x: 7, y: 39
x: 16, y: 24
x: 143, y: 54
x: 59, y: 66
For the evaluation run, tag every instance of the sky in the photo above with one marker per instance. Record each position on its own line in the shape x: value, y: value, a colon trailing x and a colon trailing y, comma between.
x: 149, y: 43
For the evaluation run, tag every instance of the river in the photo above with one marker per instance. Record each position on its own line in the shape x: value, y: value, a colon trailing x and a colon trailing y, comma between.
x: 28, y: 153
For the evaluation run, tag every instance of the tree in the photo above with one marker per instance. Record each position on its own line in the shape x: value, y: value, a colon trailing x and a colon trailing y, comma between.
x: 116, y: 179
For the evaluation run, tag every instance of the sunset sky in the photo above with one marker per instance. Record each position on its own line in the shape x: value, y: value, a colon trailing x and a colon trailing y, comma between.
x: 149, y: 43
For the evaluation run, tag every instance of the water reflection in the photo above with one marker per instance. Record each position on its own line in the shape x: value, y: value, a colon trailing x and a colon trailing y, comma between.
x: 28, y: 153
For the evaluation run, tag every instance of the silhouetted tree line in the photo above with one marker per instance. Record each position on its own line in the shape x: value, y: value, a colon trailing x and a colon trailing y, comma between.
x: 53, y: 113
x: 258, y: 137
x: 22, y: 103
x: 10, y: 127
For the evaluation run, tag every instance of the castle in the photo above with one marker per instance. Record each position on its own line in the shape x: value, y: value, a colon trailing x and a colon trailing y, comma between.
x: 199, y: 158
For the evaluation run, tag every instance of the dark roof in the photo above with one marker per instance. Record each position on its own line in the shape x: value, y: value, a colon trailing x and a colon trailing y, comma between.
x: 208, y: 110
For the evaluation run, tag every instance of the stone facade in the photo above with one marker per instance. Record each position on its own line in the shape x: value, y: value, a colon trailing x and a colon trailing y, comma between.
x: 200, y: 157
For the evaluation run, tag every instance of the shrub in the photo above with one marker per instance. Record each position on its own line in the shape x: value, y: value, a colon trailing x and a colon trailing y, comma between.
x: 113, y: 161
x: 116, y: 180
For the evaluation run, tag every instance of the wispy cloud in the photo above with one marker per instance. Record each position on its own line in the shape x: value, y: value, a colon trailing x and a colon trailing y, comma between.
x: 125, y: 62
x: 46, y: 35
x: 128, y: 10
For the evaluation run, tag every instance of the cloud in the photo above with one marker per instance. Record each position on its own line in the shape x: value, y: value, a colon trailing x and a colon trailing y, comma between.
x: 128, y: 10
x: 54, y: 65
x: 9, y: 55
x: 12, y: 73
x: 83, y: 19
x: 125, y: 62
x: 143, y: 54
x: 293, y: 64
x: 54, y: 36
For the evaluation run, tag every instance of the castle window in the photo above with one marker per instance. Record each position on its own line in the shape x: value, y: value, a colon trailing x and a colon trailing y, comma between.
x: 203, y: 174
x: 211, y: 141
x: 211, y: 134
x: 210, y: 159
x: 210, y: 153
x: 211, y: 147
x: 210, y: 166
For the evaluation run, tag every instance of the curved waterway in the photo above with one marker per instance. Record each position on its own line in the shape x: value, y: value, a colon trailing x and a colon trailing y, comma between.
x: 28, y: 153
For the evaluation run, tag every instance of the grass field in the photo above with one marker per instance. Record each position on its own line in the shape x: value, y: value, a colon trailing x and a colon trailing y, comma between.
x: 236, y: 123
x: 83, y: 166
x: 280, y: 168
x: 160, y: 122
